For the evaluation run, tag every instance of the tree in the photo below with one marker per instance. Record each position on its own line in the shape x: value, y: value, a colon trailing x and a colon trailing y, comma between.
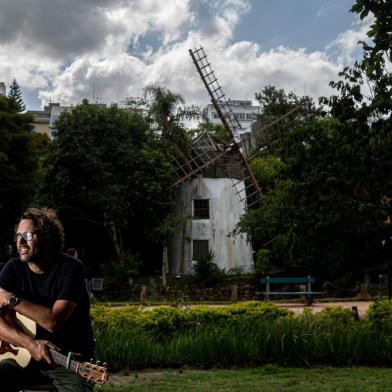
x: 108, y: 176
x: 16, y: 94
x: 364, y: 92
x: 17, y: 168
x: 166, y: 112
x: 324, y: 213
x: 326, y: 210
x: 276, y: 103
x: 217, y: 130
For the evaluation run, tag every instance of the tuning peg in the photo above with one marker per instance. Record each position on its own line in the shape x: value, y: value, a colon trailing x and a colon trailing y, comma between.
x: 98, y: 363
x: 105, y: 364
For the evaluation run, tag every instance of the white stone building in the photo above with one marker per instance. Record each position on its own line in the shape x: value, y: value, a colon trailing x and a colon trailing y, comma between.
x: 245, y: 112
x: 209, y: 209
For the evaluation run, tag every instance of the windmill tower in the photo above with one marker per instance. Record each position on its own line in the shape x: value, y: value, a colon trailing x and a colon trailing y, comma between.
x: 214, y: 184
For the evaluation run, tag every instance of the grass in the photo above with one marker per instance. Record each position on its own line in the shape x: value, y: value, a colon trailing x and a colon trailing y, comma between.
x: 242, y: 335
x: 269, y: 378
x: 288, y: 342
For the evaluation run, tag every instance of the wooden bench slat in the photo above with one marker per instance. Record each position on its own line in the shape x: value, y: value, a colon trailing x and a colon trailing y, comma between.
x: 287, y: 280
x: 291, y: 292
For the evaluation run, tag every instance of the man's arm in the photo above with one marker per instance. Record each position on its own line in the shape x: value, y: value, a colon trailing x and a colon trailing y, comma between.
x: 50, y: 319
x: 9, y: 333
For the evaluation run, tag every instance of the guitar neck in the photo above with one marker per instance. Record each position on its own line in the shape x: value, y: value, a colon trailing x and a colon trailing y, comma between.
x: 60, y: 359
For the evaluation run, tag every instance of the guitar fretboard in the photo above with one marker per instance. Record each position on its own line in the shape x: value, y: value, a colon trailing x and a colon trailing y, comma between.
x: 62, y: 360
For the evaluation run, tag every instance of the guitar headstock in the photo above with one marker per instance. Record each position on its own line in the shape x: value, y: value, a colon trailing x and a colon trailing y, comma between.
x: 94, y: 372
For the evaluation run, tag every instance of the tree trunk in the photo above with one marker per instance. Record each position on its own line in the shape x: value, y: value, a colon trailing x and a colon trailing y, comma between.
x: 117, y: 240
x: 165, y: 265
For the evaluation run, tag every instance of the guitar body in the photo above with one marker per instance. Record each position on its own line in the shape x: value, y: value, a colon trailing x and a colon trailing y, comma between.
x: 89, y: 371
x: 18, y: 354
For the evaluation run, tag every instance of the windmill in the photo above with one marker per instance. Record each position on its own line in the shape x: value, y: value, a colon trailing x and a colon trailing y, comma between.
x: 248, y: 147
x: 211, y: 175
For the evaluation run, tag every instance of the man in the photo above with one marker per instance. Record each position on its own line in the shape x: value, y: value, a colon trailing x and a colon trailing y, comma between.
x: 48, y: 287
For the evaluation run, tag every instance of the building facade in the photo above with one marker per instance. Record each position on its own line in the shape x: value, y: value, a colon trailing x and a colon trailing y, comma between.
x: 245, y: 112
x: 44, y: 120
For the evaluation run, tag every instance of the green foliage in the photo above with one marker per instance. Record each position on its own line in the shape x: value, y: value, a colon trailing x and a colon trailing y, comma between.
x: 206, y: 271
x: 263, y: 263
x: 168, y: 319
x: 336, y: 314
x: 18, y: 168
x: 244, y: 334
x: 325, y: 212
x: 16, y: 95
x: 118, y: 271
x: 217, y: 130
x: 106, y: 173
x: 166, y: 112
x: 266, y: 170
x: 276, y: 103
x: 380, y: 316
x: 373, y: 72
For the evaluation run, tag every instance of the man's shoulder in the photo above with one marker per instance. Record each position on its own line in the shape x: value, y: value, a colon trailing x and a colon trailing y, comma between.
x: 13, y: 261
x: 9, y: 271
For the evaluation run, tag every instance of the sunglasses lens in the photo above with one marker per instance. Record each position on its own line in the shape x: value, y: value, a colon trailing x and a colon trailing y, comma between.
x: 28, y: 236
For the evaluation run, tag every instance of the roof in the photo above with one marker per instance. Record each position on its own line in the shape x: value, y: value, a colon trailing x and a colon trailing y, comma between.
x: 208, y: 147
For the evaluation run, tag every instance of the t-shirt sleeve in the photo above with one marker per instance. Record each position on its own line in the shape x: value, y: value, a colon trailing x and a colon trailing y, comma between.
x: 8, y: 276
x: 73, y: 282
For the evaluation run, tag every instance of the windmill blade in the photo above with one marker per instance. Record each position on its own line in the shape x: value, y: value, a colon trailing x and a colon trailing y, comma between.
x: 218, y: 98
x: 225, y: 113
x: 200, y: 157
x: 265, y: 135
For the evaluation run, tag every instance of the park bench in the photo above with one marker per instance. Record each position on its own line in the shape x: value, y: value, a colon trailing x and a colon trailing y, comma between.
x: 308, y: 293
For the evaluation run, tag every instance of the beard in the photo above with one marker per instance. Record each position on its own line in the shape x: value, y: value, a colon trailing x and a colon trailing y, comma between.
x: 33, y: 257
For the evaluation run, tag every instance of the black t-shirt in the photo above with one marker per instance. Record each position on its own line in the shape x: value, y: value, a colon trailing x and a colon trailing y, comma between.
x: 64, y: 280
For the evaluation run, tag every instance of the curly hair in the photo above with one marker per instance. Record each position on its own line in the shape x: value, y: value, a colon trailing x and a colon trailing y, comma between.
x: 48, y: 225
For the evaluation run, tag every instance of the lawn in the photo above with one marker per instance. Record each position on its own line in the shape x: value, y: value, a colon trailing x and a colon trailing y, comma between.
x: 269, y: 378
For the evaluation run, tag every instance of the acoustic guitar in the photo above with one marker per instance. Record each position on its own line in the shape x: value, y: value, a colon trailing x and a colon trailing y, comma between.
x: 89, y: 371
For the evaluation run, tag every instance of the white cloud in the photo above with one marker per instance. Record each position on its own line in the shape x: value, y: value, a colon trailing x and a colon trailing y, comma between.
x: 147, y: 41
x: 345, y: 47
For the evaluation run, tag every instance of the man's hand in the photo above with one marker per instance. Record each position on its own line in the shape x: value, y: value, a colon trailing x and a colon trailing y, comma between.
x: 4, y: 297
x: 39, y: 350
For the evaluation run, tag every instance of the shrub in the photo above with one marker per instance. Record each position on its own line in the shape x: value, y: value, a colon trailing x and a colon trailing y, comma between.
x: 380, y: 316
x: 336, y: 315
x: 207, y: 272
x: 263, y: 263
x: 242, y: 334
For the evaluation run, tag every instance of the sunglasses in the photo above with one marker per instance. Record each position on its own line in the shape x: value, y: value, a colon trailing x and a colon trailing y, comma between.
x: 27, y: 235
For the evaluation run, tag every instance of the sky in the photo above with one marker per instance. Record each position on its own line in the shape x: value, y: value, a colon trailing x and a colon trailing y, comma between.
x: 109, y: 50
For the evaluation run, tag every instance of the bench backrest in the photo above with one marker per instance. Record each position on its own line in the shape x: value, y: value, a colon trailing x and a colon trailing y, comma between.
x: 287, y: 280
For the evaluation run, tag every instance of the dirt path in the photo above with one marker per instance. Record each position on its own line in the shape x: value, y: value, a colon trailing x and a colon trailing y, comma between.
x: 362, y: 306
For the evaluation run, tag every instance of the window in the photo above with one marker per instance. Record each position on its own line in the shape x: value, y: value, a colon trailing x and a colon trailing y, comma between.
x: 200, y: 249
x: 201, y: 209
